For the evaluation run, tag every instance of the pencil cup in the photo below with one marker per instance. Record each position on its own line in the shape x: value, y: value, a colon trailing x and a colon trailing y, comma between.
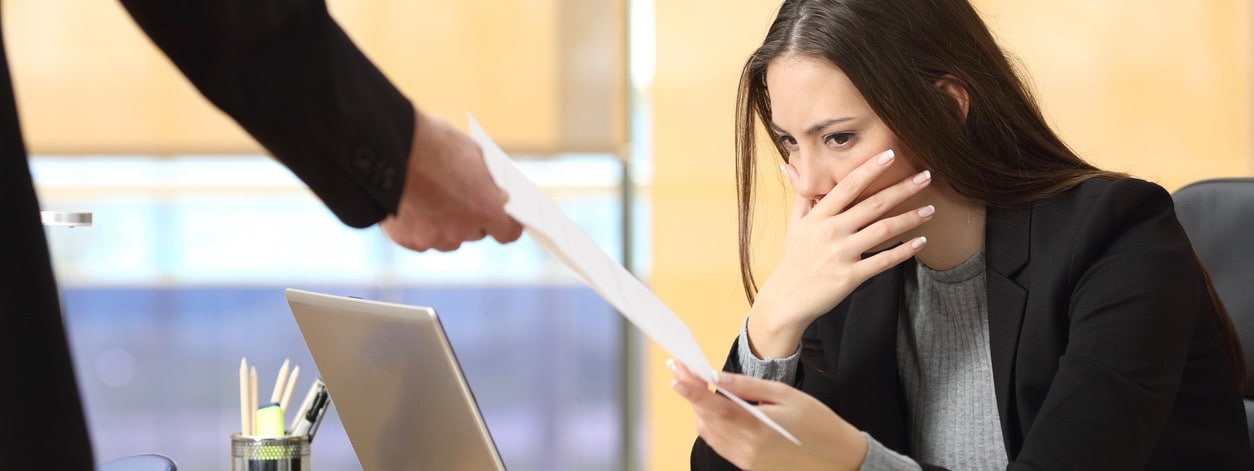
x: 249, y: 453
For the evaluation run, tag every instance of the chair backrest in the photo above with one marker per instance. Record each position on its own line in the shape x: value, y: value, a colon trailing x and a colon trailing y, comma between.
x: 1218, y: 215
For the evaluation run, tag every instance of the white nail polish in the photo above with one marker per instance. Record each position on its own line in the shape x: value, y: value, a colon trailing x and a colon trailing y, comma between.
x: 922, y: 177
x: 927, y: 211
x: 886, y: 157
x: 918, y: 243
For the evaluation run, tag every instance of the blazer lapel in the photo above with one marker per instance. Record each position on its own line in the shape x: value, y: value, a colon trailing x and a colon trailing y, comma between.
x: 1007, y: 244
x: 868, y: 389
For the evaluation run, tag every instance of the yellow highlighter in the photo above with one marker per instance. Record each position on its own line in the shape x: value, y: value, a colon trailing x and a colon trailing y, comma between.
x: 270, y: 420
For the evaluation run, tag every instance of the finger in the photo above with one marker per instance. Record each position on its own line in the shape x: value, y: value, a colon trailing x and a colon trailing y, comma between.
x: 800, y: 204
x: 713, y: 409
x: 505, y: 229
x: 684, y: 375
x: 880, y: 262
x: 502, y: 226
x: 889, y: 229
x: 394, y: 229
x: 850, y: 187
x: 753, y: 389
x: 448, y: 245
x: 726, y: 427
x: 875, y: 206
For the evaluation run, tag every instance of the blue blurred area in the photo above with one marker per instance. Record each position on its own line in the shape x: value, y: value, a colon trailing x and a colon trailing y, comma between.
x: 158, y: 368
x: 183, y: 271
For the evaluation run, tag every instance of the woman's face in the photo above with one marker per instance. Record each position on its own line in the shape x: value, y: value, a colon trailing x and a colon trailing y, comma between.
x: 829, y: 129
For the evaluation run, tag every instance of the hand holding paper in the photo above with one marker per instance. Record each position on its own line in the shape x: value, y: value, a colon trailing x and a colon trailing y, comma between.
x: 545, y: 222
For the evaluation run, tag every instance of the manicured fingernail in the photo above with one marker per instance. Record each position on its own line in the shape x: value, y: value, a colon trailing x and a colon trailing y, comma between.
x: 717, y: 377
x: 918, y: 243
x: 927, y: 211
x: 886, y: 157
x: 679, y: 388
x: 922, y: 177
x: 670, y: 363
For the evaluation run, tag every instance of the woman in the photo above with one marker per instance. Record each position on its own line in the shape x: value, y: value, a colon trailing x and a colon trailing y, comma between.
x: 957, y: 288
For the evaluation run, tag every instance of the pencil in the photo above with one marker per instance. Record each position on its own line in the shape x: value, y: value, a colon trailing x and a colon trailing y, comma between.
x: 278, y: 383
x: 244, y: 415
x: 252, y: 400
x: 287, y: 389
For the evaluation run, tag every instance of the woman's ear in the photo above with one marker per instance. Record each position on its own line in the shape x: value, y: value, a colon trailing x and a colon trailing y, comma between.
x: 953, y: 87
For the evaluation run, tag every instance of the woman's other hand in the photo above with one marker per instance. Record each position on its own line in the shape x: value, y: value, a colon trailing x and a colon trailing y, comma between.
x: 827, y: 441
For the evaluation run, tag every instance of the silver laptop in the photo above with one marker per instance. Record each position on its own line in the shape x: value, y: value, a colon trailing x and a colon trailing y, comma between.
x: 396, y: 384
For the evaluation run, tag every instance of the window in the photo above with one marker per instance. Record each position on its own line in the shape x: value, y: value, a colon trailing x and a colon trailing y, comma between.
x: 183, y: 270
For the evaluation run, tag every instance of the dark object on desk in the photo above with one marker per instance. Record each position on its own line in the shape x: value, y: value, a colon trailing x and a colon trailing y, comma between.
x: 1218, y: 216
x: 148, y: 462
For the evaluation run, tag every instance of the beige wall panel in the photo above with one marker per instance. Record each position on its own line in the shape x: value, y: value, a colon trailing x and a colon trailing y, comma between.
x: 700, y: 53
x: 1160, y: 88
x: 494, y: 59
x: 89, y: 81
x: 1153, y: 88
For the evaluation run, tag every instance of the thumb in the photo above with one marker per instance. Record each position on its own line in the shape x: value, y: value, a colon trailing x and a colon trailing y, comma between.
x: 501, y: 226
x: 754, y: 389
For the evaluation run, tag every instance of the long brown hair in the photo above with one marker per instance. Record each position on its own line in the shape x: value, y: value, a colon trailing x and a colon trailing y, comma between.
x: 1002, y: 152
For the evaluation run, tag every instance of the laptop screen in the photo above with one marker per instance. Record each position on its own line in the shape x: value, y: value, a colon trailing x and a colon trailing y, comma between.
x: 395, y: 382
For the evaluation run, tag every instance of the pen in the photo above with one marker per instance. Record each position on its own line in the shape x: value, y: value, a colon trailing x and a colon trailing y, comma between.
x: 309, y: 419
x: 304, y: 406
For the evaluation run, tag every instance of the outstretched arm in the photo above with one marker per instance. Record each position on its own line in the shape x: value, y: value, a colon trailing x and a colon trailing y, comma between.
x: 287, y: 73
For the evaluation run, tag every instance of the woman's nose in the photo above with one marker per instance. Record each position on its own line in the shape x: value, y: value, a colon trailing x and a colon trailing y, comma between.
x: 812, y: 181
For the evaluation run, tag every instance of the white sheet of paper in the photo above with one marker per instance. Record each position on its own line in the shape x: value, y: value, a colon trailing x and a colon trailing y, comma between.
x: 545, y: 222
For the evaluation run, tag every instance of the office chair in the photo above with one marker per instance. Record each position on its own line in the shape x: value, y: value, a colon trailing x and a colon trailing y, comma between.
x: 1218, y: 216
x: 148, y: 462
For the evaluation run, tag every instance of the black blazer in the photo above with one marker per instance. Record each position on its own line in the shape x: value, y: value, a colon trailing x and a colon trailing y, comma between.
x: 1105, y: 351
x: 286, y: 72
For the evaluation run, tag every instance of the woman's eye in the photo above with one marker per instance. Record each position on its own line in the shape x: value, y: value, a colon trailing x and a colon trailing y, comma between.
x: 787, y: 142
x: 839, y: 139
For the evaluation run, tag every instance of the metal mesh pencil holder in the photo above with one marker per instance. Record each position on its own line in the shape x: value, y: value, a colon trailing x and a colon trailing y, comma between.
x: 249, y: 453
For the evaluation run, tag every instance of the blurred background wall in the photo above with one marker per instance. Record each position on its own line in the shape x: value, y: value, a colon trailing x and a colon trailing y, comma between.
x: 640, y: 154
x: 544, y: 76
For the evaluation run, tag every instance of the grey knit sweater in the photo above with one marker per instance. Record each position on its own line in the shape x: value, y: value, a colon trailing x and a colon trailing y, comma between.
x: 945, y: 367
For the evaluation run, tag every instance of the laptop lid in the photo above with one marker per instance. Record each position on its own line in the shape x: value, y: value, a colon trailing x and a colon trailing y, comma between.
x: 396, y: 384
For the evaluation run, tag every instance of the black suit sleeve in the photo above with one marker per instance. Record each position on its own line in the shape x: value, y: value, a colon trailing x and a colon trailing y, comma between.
x: 1139, y: 302
x: 287, y: 73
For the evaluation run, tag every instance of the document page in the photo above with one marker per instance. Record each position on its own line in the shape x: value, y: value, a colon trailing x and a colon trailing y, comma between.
x: 545, y: 222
